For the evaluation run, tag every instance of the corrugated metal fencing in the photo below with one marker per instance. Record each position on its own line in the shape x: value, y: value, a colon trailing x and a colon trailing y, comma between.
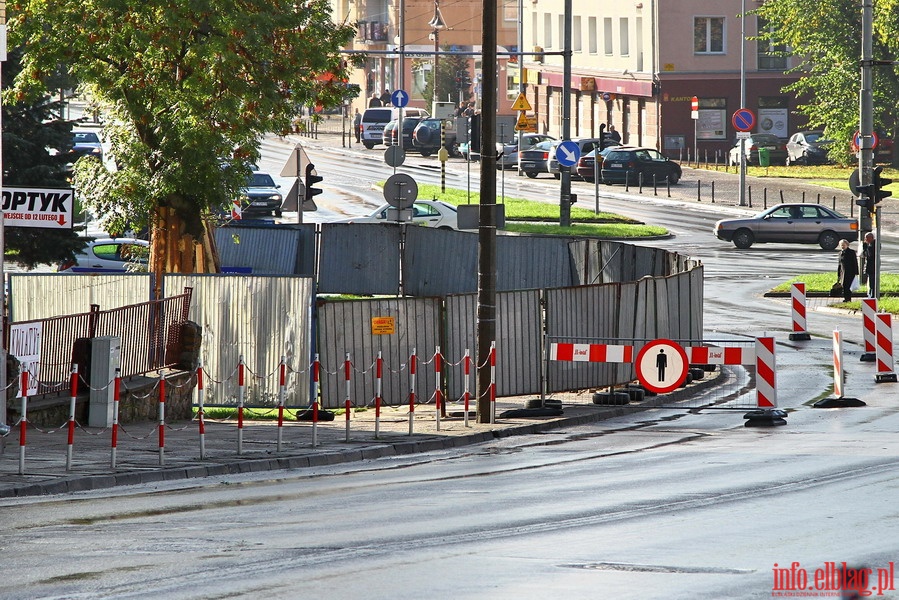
x: 569, y: 287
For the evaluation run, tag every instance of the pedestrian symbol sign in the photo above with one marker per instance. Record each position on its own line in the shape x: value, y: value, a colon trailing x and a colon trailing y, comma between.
x: 521, y: 103
x: 662, y: 366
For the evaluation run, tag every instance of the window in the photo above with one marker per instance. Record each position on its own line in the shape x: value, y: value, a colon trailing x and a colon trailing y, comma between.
x: 547, y: 31
x: 591, y: 35
x: 561, y: 25
x: 770, y: 55
x: 607, y: 36
x: 576, y: 45
x: 534, y: 37
x: 623, y: 39
x: 708, y: 35
x: 510, y: 11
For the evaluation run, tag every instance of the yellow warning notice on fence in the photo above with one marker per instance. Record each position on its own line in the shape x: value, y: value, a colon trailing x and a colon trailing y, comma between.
x: 521, y: 103
x: 383, y: 325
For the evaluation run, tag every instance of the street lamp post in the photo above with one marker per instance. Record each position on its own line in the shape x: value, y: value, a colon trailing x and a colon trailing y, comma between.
x: 436, y: 23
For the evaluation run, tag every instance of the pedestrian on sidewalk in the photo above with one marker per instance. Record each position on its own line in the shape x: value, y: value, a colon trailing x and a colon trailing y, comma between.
x: 357, y: 125
x: 847, y: 270
x: 869, y: 253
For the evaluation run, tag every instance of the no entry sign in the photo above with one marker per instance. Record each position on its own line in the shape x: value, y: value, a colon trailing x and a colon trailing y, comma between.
x: 662, y: 366
x: 27, y: 207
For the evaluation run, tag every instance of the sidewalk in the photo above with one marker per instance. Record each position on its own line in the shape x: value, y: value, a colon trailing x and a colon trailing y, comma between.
x: 139, y: 460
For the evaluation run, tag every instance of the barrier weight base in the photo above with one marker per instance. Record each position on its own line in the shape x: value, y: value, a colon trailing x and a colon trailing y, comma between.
x: 838, y: 403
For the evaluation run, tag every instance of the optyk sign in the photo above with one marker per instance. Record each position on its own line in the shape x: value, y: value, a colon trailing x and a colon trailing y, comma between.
x: 27, y: 207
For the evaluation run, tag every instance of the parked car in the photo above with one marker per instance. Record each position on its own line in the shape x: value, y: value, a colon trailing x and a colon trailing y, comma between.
x: 507, y: 151
x: 789, y: 224
x: 585, y: 144
x: 777, y: 150
x: 409, y: 124
x: 426, y: 136
x: 387, y: 136
x: 535, y: 161
x: 375, y: 119
x: 261, y: 195
x: 628, y: 164
x: 109, y: 255
x: 586, y: 166
x: 87, y: 143
x: 430, y: 213
x: 808, y: 148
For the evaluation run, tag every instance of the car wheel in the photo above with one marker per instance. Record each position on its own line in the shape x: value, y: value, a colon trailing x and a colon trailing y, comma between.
x: 828, y: 240
x: 787, y: 161
x: 368, y: 145
x: 531, y: 174
x: 278, y: 212
x: 673, y: 177
x: 743, y: 239
x: 425, y: 152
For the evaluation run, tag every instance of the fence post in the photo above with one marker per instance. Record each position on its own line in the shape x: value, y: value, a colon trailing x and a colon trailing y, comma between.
x: 240, y: 393
x: 282, y: 390
x: 412, y: 362
x: 116, y: 395
x: 346, y: 402
x: 378, y: 372
x: 73, y: 386
x: 467, y: 394
x: 438, y: 405
x: 162, y: 421
x: 201, y: 414
x: 23, y: 421
x: 316, y: 366
x: 492, y: 382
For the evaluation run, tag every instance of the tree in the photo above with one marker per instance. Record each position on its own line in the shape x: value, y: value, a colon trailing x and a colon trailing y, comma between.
x: 824, y: 37
x: 447, y: 68
x: 188, y: 90
x: 30, y: 132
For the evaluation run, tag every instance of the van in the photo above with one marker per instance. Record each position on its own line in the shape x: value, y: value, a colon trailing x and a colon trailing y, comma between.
x: 375, y: 119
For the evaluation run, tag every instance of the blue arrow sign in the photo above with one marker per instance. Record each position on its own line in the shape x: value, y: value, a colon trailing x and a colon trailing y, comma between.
x: 399, y: 98
x: 568, y: 153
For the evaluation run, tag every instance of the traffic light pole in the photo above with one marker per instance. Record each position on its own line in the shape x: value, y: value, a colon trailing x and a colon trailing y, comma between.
x: 866, y: 135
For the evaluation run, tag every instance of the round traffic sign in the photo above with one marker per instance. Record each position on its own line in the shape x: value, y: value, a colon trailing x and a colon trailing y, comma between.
x: 399, y: 98
x: 694, y: 103
x: 400, y: 190
x: 394, y: 156
x: 857, y: 141
x: 743, y: 119
x: 568, y: 153
x: 662, y: 366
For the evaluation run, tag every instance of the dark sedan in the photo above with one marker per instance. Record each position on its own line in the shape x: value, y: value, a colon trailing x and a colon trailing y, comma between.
x: 790, y: 224
x: 808, y: 148
x: 535, y: 161
x: 587, y: 166
x: 637, y: 166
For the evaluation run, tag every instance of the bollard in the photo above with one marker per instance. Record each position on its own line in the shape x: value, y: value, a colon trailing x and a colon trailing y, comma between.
x: 869, y: 314
x: 467, y: 393
x: 282, y: 391
x: 492, y: 382
x: 655, y: 185
x: 240, y: 392
x: 116, y: 395
x: 699, y: 190
x: 797, y: 301
x: 437, y: 377
x: 162, y: 421
x: 201, y: 414
x: 768, y: 414
x: 412, y: 362
x: 316, y: 372
x: 70, y: 446
x: 840, y: 400
x: 23, y: 422
x: 713, y: 192
x: 884, y: 344
x: 378, y: 372
x: 346, y: 403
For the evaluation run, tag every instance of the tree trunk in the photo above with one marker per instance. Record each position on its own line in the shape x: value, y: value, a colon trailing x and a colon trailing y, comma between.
x: 175, y: 250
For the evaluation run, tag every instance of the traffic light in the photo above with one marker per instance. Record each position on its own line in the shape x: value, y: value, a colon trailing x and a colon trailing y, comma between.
x: 466, y: 81
x: 879, y: 184
x: 312, y: 179
x: 866, y: 195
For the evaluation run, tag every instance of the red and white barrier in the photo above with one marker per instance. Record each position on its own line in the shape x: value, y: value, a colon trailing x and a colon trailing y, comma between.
x: 797, y: 301
x: 379, y: 365
x: 438, y: 405
x: 884, y: 343
x: 467, y: 393
x: 412, y: 366
x: 837, y: 364
x: 316, y: 385
x: 70, y: 445
x: 869, y: 315
x: 493, y: 382
x: 201, y: 414
x: 116, y: 395
x: 347, y: 404
x: 162, y: 421
x: 241, y: 388
x: 23, y: 422
x: 603, y: 353
x: 765, y: 373
x: 282, y: 391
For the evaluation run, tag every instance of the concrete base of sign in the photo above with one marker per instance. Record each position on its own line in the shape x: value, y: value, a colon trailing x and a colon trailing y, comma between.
x: 770, y: 417
x: 867, y: 357
x: 800, y: 337
x: 841, y: 402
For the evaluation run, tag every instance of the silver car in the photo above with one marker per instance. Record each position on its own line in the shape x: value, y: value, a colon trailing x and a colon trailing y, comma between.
x: 430, y: 213
x: 109, y: 255
x: 789, y: 224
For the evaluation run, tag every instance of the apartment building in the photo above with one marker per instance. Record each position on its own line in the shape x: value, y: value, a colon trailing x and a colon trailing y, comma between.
x: 638, y: 64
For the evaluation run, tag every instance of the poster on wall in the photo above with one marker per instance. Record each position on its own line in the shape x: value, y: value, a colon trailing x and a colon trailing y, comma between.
x: 773, y: 120
x: 25, y: 344
x: 711, y: 124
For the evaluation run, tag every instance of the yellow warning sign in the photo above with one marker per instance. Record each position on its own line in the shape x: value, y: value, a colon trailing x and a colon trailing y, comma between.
x: 383, y: 325
x: 526, y: 123
x: 521, y: 103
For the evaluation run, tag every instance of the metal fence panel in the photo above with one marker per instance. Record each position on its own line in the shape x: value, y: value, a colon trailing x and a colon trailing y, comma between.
x: 261, y: 318
x: 35, y: 296
x: 440, y: 262
x: 268, y: 249
x: 532, y: 262
x: 359, y: 258
x: 347, y: 327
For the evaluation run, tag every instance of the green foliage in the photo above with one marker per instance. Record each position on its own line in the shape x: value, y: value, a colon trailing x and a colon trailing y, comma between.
x: 447, y: 67
x: 189, y: 89
x: 824, y: 38
x: 30, y: 131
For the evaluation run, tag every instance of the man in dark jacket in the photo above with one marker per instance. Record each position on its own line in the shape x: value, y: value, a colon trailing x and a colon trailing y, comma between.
x: 847, y: 270
x: 869, y: 252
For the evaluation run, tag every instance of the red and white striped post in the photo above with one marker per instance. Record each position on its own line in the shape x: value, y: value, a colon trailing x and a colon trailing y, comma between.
x: 412, y: 363
x: 316, y: 366
x: 837, y: 364
x: 23, y: 421
x: 379, y: 365
x: 438, y: 405
x: 493, y: 382
x: 70, y: 446
x: 162, y: 421
x: 346, y: 402
x: 884, y: 344
x: 240, y: 392
x: 765, y: 373
x: 466, y: 361
x: 282, y: 390
x: 797, y: 300
x: 869, y: 314
x: 116, y: 395
x: 201, y: 413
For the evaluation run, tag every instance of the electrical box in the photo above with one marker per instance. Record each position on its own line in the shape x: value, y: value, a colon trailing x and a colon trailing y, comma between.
x: 106, y: 357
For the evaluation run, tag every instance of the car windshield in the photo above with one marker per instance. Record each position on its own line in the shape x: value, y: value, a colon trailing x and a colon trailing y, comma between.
x: 618, y: 155
x: 813, y: 137
x: 261, y: 180
x: 547, y: 145
x: 765, y: 138
x: 86, y: 137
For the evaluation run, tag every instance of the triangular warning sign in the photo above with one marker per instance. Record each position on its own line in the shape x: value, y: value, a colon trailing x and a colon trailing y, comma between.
x: 522, y: 123
x: 521, y: 103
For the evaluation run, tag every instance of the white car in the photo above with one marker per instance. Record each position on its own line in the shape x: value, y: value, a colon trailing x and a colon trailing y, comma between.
x: 430, y: 213
x: 109, y: 255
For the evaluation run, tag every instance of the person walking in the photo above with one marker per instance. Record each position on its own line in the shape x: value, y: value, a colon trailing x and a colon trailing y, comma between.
x: 374, y: 101
x: 614, y: 135
x: 869, y: 252
x: 386, y: 98
x: 357, y: 125
x: 847, y: 270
